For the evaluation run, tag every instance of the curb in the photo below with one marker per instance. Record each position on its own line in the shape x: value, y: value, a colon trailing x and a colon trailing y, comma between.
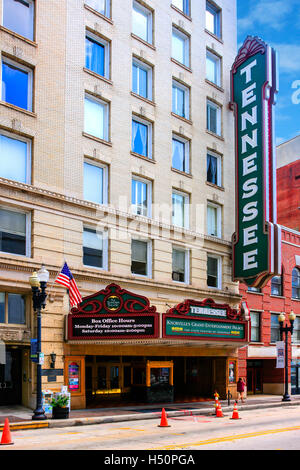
x: 57, y: 423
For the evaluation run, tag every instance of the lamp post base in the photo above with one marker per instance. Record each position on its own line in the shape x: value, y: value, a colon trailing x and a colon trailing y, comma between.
x: 39, y: 415
x: 286, y: 397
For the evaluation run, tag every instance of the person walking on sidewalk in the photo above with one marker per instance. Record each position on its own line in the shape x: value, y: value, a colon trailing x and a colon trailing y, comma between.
x: 241, y: 389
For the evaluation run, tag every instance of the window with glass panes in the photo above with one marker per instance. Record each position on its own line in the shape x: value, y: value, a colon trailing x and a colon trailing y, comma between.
x: 275, y: 331
x: 96, y: 117
x: 93, y: 248
x: 180, y: 265
x: 255, y: 326
x: 13, y: 228
x: 12, y: 308
x: 180, y: 100
x: 102, y: 6
x: 140, y: 263
x: 97, y: 55
x: 214, y: 220
x: 141, y: 137
x: 18, y: 16
x: 180, y: 154
x: 296, y: 283
x: 180, y: 47
x: 296, y: 331
x: 214, y: 171
x: 142, y: 79
x: 183, y: 5
x: 95, y: 183
x: 16, y: 84
x: 141, y: 197
x: 213, y: 68
x: 142, y: 22
x: 15, y: 158
x: 213, y: 271
x: 180, y: 208
x: 213, y: 117
x: 213, y: 19
x: 276, y: 285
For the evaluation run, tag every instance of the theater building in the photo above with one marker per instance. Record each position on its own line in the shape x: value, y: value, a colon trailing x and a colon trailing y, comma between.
x: 281, y: 294
x: 117, y: 156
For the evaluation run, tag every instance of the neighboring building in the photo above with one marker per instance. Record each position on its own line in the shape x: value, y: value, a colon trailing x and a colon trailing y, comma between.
x: 117, y: 156
x: 288, y: 183
x: 282, y: 293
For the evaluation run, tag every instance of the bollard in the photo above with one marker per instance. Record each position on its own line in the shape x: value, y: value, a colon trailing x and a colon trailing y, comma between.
x: 229, y: 396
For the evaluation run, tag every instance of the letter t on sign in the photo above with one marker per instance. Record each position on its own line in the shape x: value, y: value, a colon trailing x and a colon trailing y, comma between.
x: 248, y: 71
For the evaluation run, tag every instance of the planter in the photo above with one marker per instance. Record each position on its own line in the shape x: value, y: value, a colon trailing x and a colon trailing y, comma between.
x: 60, y: 413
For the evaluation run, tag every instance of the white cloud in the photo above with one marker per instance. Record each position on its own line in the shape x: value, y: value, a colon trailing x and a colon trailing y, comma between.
x: 271, y: 13
x: 289, y: 58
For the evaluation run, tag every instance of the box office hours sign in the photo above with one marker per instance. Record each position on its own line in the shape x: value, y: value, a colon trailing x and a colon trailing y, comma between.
x: 113, y: 313
x: 256, y: 242
x: 112, y: 327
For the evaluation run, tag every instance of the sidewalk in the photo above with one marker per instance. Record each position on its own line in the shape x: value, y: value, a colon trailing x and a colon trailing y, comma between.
x: 21, y: 418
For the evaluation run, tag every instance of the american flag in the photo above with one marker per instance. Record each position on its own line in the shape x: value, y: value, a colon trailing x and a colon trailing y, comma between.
x: 66, y: 279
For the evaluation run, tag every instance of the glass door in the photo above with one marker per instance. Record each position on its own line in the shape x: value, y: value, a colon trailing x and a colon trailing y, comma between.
x: 114, y: 378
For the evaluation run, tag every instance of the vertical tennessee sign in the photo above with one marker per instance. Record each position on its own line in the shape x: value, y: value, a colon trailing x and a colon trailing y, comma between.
x: 257, y: 240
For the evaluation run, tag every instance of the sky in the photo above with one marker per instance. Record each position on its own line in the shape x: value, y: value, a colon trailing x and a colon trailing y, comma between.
x: 277, y: 22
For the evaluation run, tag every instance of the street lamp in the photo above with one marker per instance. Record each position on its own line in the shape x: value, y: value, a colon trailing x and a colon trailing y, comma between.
x: 38, y: 281
x: 286, y: 329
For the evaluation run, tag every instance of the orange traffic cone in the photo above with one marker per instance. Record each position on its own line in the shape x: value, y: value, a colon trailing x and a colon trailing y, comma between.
x: 217, y: 403
x: 6, y: 437
x: 235, y: 414
x: 219, y: 411
x: 163, y: 421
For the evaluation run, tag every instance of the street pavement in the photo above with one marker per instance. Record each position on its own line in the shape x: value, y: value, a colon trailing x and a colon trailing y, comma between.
x: 21, y: 417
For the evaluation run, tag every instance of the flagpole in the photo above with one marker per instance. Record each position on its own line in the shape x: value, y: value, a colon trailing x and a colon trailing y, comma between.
x: 52, y: 285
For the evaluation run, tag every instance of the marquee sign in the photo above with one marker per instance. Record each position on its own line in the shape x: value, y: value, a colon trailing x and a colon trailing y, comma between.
x: 205, y: 320
x: 257, y: 240
x: 113, y: 313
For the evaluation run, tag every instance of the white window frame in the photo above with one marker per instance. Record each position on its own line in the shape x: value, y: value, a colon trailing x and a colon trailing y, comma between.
x: 186, y: 264
x: 149, y: 258
x: 28, y: 155
x: 219, y: 167
x: 186, y: 90
x: 186, y: 214
x: 186, y: 40
x: 29, y: 71
x: 106, y: 46
x: 211, y: 104
x: 104, y: 182
x: 104, y: 244
x: 186, y: 143
x: 149, y: 15
x: 183, y: 9
x: 219, y: 270
x: 105, y: 105
x: 107, y: 8
x: 149, y: 196
x: 216, y: 12
x: 218, y: 208
x: 257, y: 314
x: 27, y: 231
x: 32, y: 13
x: 217, y: 64
x: 149, y: 69
x: 149, y: 139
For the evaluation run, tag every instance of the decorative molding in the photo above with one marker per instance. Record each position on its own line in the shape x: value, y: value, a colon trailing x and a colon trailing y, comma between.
x: 252, y: 45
